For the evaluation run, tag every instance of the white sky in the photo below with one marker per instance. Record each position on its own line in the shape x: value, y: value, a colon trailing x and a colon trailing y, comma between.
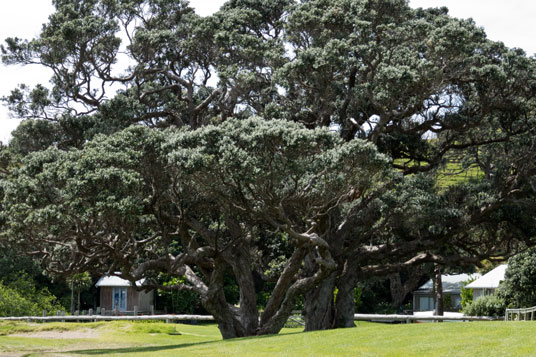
x: 510, y: 21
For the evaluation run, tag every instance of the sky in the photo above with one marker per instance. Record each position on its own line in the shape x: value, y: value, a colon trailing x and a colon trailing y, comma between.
x: 511, y: 22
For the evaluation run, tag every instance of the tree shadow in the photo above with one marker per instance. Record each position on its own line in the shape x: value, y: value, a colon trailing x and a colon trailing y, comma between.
x: 106, y: 351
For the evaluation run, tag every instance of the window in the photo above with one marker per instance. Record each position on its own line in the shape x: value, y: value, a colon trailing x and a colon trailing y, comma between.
x: 488, y: 291
x: 426, y: 303
x: 119, y: 299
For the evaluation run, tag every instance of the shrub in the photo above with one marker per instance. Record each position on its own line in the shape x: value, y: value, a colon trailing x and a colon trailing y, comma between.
x: 179, y: 302
x: 466, y: 294
x: 519, y: 285
x: 384, y: 307
x: 21, y: 298
x: 13, y: 304
x: 448, y: 304
x: 490, y: 305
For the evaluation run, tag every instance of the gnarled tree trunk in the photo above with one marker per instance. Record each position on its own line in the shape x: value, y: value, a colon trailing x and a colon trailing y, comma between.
x: 344, y: 303
x: 438, y: 291
x: 247, y: 313
x: 399, y: 290
x: 323, y: 309
x: 318, y: 305
x: 232, y: 321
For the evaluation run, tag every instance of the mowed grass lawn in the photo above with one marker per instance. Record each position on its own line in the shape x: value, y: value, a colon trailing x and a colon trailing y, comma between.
x: 368, y: 339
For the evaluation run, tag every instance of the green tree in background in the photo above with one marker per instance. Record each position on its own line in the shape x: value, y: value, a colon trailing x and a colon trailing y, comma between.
x: 20, y: 297
x: 78, y: 282
x: 180, y: 302
x: 518, y: 287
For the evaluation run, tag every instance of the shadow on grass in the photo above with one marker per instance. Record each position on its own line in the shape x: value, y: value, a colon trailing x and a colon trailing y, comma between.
x: 106, y: 351
x: 137, y: 349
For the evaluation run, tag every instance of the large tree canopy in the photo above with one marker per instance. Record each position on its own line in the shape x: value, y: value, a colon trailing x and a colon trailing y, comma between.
x: 180, y: 202
x: 378, y: 69
x: 197, y: 190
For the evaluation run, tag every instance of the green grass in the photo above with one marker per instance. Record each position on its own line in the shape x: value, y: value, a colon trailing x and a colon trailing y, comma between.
x: 452, y: 173
x: 368, y: 339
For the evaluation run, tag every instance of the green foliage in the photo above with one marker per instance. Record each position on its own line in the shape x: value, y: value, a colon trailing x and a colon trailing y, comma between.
x: 358, y: 302
x: 97, y: 185
x: 12, y: 303
x: 373, y: 296
x: 34, y: 135
x: 466, y: 294
x: 489, y: 305
x: 519, y: 285
x: 14, y: 265
x: 80, y: 281
x: 177, y: 301
x: 384, y: 307
x: 447, y: 302
x: 21, y: 298
x: 329, y: 57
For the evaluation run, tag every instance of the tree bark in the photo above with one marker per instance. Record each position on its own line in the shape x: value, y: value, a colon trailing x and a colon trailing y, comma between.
x: 72, y: 299
x: 247, y: 313
x: 322, y: 310
x: 229, y: 323
x: 318, y: 305
x: 301, y: 286
x: 438, y: 291
x: 400, y: 290
x: 286, y: 279
x: 344, y: 303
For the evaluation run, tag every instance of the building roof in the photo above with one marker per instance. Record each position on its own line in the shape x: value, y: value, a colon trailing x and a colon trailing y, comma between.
x: 450, y: 283
x: 490, y: 280
x: 111, y: 280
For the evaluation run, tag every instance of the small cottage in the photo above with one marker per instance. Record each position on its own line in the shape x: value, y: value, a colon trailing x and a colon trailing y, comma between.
x: 423, y: 297
x: 488, y: 283
x: 116, y: 293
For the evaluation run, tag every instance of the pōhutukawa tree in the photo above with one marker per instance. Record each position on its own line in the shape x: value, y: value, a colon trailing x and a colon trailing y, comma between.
x: 195, y: 204
x: 117, y: 63
x: 421, y: 86
x: 416, y: 222
x: 379, y: 69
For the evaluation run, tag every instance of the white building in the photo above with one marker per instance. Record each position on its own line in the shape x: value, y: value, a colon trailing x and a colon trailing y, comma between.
x: 488, y: 283
x: 423, y: 297
x: 117, y: 293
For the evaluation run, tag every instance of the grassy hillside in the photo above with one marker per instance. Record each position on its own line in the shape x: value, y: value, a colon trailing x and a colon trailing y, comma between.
x: 154, y: 339
x: 453, y: 174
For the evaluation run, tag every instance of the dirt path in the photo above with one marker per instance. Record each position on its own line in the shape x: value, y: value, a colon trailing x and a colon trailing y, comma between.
x: 60, y: 334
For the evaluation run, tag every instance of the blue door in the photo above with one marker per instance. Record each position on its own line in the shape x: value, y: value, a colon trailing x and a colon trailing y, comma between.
x: 119, y: 299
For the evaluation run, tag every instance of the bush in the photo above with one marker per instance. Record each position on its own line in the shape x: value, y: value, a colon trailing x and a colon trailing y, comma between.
x: 21, y: 298
x: 13, y: 304
x: 490, y: 305
x: 178, y: 302
x: 384, y: 308
x: 519, y: 285
x: 466, y: 294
